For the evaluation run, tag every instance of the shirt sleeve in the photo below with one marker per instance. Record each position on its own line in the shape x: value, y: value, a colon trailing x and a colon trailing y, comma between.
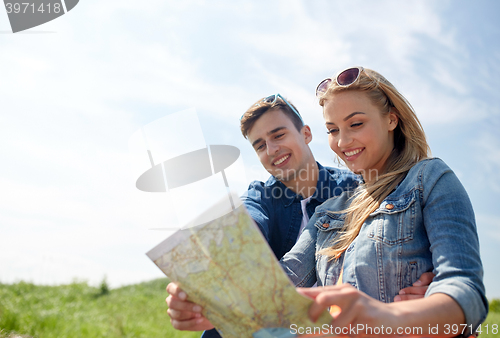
x: 454, y: 244
x: 257, y: 207
x: 300, y: 262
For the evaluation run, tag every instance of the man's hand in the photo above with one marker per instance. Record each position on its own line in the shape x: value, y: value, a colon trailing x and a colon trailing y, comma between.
x: 185, y: 315
x: 417, y: 290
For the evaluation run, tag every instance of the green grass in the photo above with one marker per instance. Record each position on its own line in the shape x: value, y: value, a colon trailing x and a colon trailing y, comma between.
x: 492, y: 319
x: 79, y: 310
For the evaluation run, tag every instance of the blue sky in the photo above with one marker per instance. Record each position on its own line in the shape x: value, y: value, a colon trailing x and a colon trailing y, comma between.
x: 74, y: 91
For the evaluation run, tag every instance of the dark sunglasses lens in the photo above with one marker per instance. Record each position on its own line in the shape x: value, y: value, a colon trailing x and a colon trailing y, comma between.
x: 270, y: 98
x: 323, y: 87
x: 348, y: 76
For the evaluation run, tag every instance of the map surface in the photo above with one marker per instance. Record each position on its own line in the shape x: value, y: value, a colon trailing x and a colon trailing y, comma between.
x: 228, y: 268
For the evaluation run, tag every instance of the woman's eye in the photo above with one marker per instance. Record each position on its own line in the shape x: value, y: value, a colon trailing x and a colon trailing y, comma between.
x: 332, y: 131
x: 354, y: 125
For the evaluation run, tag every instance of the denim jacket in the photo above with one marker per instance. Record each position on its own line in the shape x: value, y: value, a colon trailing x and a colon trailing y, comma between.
x: 277, y: 209
x: 425, y: 224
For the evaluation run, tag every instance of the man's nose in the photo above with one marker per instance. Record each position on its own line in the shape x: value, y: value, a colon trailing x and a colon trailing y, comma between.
x: 272, y: 148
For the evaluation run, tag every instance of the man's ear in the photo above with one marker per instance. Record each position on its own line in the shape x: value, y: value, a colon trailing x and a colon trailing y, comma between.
x: 393, y: 119
x: 306, y: 132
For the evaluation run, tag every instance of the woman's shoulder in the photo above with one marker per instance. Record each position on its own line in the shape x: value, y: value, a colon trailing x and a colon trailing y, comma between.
x: 430, y: 164
x: 423, y: 174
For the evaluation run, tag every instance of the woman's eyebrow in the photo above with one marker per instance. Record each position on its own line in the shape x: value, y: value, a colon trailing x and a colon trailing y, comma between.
x: 347, y: 117
x: 353, y: 114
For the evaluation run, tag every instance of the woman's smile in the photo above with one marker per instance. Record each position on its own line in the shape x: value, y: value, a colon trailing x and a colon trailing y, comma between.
x: 358, y: 132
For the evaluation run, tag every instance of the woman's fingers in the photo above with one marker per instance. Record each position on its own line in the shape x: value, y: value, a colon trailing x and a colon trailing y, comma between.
x: 355, y: 308
x: 342, y: 296
x: 310, y: 292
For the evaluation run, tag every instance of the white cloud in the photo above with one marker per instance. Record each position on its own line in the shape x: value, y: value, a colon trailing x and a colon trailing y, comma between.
x: 488, y: 161
x: 489, y: 225
x: 72, y: 99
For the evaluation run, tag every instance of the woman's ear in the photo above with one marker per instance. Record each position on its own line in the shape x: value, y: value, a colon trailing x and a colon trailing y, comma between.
x: 393, y: 119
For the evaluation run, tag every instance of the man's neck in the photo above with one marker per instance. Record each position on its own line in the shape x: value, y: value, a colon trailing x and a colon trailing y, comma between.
x: 305, y: 182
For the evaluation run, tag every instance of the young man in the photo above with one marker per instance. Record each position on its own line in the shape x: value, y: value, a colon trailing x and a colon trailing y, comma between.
x: 282, y: 206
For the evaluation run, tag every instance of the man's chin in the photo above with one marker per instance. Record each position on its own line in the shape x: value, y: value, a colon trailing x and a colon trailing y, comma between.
x: 284, y: 175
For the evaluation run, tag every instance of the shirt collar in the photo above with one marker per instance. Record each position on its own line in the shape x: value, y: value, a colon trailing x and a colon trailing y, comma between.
x: 324, y: 187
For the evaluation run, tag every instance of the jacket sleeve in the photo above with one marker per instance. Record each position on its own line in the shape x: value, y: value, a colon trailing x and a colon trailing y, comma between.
x: 300, y: 262
x: 451, y: 229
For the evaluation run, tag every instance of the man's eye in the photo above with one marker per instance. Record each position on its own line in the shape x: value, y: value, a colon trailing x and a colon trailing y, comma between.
x: 332, y: 131
x: 261, y: 146
x: 279, y: 136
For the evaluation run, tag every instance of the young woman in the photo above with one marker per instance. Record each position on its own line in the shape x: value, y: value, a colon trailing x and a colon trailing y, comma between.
x: 410, y: 216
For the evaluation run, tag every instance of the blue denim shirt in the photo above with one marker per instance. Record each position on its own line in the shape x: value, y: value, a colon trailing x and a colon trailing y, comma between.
x: 425, y: 224
x: 277, y: 209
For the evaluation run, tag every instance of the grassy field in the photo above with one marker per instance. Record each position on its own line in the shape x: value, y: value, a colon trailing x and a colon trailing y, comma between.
x: 78, y: 310
x: 492, y: 319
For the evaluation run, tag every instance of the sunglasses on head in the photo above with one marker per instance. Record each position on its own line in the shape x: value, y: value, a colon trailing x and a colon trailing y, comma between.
x: 343, y: 79
x: 272, y: 99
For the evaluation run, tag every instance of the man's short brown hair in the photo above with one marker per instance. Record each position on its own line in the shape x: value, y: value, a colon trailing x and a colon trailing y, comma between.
x: 261, y: 107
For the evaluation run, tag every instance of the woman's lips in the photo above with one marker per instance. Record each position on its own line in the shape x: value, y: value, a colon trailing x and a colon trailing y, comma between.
x: 353, y: 154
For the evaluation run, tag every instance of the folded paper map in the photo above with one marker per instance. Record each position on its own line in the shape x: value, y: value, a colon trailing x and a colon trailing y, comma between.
x: 228, y: 268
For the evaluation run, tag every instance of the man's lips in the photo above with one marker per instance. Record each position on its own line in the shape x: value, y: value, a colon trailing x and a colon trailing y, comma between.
x: 281, y: 160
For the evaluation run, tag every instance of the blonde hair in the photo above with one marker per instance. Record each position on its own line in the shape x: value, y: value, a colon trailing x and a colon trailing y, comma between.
x: 410, y: 146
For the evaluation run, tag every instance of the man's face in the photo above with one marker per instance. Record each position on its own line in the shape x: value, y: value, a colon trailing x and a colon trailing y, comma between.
x: 281, y: 148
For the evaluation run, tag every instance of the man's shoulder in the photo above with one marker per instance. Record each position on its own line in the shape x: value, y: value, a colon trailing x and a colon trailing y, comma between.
x: 339, y: 175
x: 258, y: 190
x: 259, y: 185
x: 338, y: 171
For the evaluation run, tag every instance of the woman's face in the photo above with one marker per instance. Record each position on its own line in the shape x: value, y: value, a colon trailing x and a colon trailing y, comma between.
x: 359, y: 133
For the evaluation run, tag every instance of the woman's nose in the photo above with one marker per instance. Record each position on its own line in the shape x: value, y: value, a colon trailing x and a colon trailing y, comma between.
x: 344, y: 140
